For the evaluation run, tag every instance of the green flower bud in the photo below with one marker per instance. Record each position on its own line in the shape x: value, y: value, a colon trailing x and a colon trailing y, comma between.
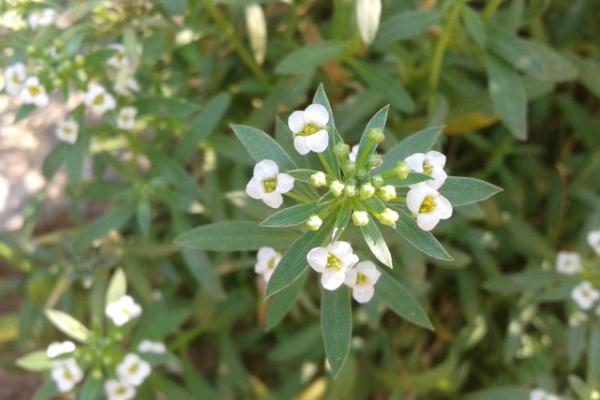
x: 360, y: 218
x: 377, y: 181
x: 30, y: 49
x: 375, y: 160
x: 402, y: 170
x: 387, y: 193
x: 336, y: 188
x: 376, y: 135
x: 314, y: 223
x: 388, y: 217
x: 341, y: 149
x: 79, y: 60
x: 367, y: 190
x: 318, y: 179
x: 350, y: 191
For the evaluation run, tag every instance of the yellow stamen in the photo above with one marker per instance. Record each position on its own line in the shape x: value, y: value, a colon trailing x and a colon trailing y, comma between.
x: 428, y: 205
x: 99, y: 99
x: 427, y: 168
x: 269, y: 184
x: 34, y: 90
x: 333, y: 262
x: 361, y: 279
x: 309, y: 129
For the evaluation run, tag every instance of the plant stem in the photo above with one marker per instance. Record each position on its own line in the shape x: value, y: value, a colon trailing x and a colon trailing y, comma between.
x: 490, y: 9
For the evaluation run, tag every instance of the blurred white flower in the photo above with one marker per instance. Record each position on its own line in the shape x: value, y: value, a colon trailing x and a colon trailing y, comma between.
x: 593, y: 239
x: 428, y: 205
x: 585, y: 295
x: 256, y: 25
x: 267, y: 184
x: 14, y: 78
x: 430, y: 163
x: 116, y: 390
x: 34, y: 93
x: 149, y: 346
x: 118, y: 59
x: 67, y: 131
x: 66, y: 374
x: 310, y: 129
x: 267, y: 260
x: 123, y: 310
x: 126, y: 118
x: 39, y: 18
x: 541, y: 394
x: 353, y: 153
x: 133, y: 370
x: 98, y: 99
x: 332, y: 262
x: 568, y: 263
x: 368, y: 13
x: 56, y: 349
x: 362, y: 279
x: 124, y: 87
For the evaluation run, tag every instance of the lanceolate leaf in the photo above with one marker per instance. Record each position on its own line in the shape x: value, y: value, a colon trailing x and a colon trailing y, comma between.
x: 291, y: 216
x: 68, y: 325
x: 234, y: 236
x: 309, y: 56
x: 474, y: 25
x: 514, y: 50
x: 406, y: 25
x: 336, y: 326
x: 411, y: 179
x: 342, y: 220
x: 418, y: 142
x: 461, y: 191
x: 281, y: 303
x: 407, y: 227
x: 376, y: 242
x: 367, y: 147
x: 36, y: 361
x: 261, y: 146
x: 293, y: 262
x: 400, y: 300
x: 330, y: 158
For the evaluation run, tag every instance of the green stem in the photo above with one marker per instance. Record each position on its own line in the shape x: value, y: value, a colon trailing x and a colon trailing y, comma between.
x: 490, y: 9
x: 297, y: 197
x: 326, y: 165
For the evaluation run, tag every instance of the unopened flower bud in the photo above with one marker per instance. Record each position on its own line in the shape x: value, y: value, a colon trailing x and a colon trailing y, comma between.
x: 387, y: 193
x: 336, y: 188
x: 256, y: 24
x: 402, y: 170
x: 341, y: 149
x: 57, y: 82
x: 376, y: 135
x: 30, y: 49
x: 350, y: 191
x: 318, y: 179
x: 349, y: 168
x: 388, y: 217
x: 79, y: 60
x: 366, y: 190
x: 360, y: 218
x: 368, y: 14
x: 375, y: 160
x: 377, y: 181
x: 314, y: 223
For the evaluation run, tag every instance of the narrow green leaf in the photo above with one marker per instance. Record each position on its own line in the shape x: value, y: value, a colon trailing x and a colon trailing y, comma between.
x: 68, y: 325
x: 412, y: 179
x: 588, y: 71
x: 406, y: 25
x: 291, y: 216
x: 234, y: 236
x: 332, y: 166
x: 302, y: 174
x: 203, y: 271
x: 54, y: 160
x: 376, y: 242
x: 593, y: 357
x: 261, y: 146
x: 366, y: 147
x: 144, y: 217
x: 555, y: 67
x: 308, y: 57
x: 113, y: 219
x: 401, y: 301
x: 407, y: 227
x: 293, y: 262
x: 500, y: 393
x: 418, y: 142
x: 281, y: 303
x: 514, y: 51
x: 117, y: 286
x: 342, y: 220
x: 508, y: 96
x: 90, y: 389
x: 336, y: 326
x: 23, y: 112
x: 461, y: 191
x: 474, y: 25
x: 35, y: 361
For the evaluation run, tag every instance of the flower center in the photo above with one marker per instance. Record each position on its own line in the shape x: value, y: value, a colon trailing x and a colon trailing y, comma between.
x: 134, y: 368
x: 428, y: 205
x: 271, y: 264
x: 67, y: 131
x: 15, y: 78
x: 34, y: 90
x: 427, y: 168
x: 361, y: 279
x: 98, y: 100
x: 333, y: 262
x: 269, y: 184
x: 309, y: 129
x: 67, y: 375
x: 121, y: 390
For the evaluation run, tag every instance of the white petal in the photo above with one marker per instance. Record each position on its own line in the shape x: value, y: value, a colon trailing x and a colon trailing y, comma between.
x: 439, y: 177
x: 318, y: 142
x: 266, y: 169
x: 415, y: 162
x: 285, y: 183
x: 368, y: 269
x: 265, y: 254
x: 350, y: 279
x: 436, y: 159
x: 353, y: 153
x: 363, y: 293
x: 593, y: 239
x: 444, y: 208
x: 427, y: 221
x: 300, y: 145
x: 296, y: 121
x: 349, y: 260
x: 415, y: 197
x: 316, y: 114
x: 317, y: 258
x: 255, y: 189
x: 340, y: 248
x: 273, y: 200
x: 331, y: 279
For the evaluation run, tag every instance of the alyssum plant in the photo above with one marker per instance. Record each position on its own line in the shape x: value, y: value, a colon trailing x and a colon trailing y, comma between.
x: 406, y: 189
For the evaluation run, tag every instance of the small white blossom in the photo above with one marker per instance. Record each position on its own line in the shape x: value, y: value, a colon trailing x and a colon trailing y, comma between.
x: 267, y: 260
x: 67, y: 131
x: 126, y: 86
x: 360, y: 218
x: 430, y: 163
x: 353, y: 153
x: 34, y: 93
x: 126, y: 118
x: 362, y: 279
x: 133, y: 370
x: 123, y: 310
x: 428, y: 205
x: 310, y: 129
x: 332, y: 262
x: 318, y: 179
x: 66, y: 374
x: 98, y: 99
x: 314, y: 223
x: 388, y: 217
x: 148, y: 346
x: 39, y: 18
x: 593, y: 239
x: 368, y: 13
x: 118, y: 59
x: 387, y: 193
x: 14, y: 78
x: 568, y: 263
x: 116, y: 390
x: 541, y: 394
x: 267, y: 184
x: 585, y: 295
x: 56, y: 349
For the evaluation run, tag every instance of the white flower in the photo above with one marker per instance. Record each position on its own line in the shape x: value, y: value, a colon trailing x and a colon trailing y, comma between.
x: 126, y: 118
x: 593, y: 239
x: 353, y: 153
x: 568, y: 263
x: 148, y: 346
x: 268, y: 184
x: 14, y: 78
x: 44, y: 17
x: 428, y: 206
x: 67, y: 131
x: 133, y: 370
x: 430, y: 163
x: 123, y: 310
x: 56, y: 349
x: 66, y: 374
x: 34, y: 93
x: 256, y: 25
x: 98, y: 99
x: 126, y: 86
x: 362, y: 279
x: 116, y: 390
x: 310, y: 129
x: 267, y: 260
x: 360, y: 218
x: 541, y: 394
x: 332, y: 262
x: 368, y: 13
x: 118, y: 59
x: 585, y: 295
